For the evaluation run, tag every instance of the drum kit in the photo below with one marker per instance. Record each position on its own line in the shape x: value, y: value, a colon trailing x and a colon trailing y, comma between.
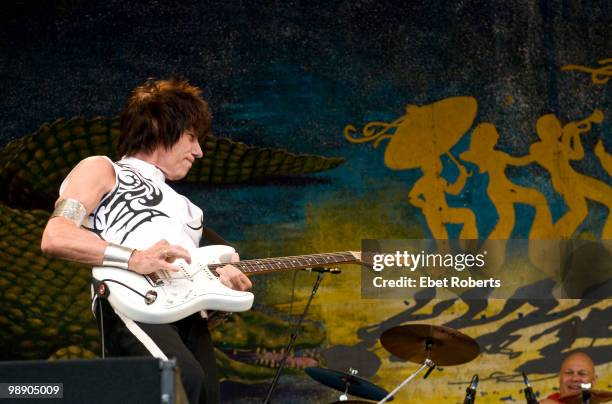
x: 430, y: 346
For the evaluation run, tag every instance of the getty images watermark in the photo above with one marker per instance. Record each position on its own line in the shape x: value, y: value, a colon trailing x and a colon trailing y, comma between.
x: 476, y: 269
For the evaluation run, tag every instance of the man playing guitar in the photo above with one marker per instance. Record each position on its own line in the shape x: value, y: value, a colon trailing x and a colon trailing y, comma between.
x: 124, y: 215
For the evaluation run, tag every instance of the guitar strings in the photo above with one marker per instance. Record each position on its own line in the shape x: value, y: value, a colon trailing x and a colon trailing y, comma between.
x: 251, y: 265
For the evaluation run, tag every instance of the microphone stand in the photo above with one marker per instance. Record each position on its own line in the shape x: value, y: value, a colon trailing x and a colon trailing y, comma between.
x: 428, y: 363
x: 529, y: 395
x: 470, y: 392
x: 294, y: 334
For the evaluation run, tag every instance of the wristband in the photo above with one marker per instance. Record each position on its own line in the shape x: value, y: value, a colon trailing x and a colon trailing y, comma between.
x: 117, y: 256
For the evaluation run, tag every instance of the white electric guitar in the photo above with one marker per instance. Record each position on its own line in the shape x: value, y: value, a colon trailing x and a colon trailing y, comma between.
x: 165, y: 297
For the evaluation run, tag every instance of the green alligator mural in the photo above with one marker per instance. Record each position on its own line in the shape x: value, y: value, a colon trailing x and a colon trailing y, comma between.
x: 46, y: 302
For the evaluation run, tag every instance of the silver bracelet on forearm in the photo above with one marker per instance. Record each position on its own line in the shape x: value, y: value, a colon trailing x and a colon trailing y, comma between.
x: 117, y: 256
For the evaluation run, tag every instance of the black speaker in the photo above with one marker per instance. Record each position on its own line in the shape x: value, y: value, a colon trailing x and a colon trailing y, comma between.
x: 114, y: 380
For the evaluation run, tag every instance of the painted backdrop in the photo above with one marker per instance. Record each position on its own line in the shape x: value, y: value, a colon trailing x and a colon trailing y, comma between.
x: 482, y: 120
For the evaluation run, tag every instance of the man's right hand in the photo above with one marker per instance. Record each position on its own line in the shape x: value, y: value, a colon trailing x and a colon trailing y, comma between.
x: 159, y: 256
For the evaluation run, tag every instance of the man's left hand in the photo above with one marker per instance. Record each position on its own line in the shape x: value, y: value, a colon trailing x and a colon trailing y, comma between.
x: 232, y: 277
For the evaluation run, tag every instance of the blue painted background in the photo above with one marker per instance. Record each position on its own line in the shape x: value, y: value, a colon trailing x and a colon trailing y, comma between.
x: 293, y: 74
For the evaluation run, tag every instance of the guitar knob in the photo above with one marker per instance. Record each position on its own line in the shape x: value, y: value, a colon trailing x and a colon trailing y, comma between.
x: 150, y: 297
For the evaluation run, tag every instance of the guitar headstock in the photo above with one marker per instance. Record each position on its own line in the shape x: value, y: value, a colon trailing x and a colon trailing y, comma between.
x: 365, y: 260
x: 357, y: 255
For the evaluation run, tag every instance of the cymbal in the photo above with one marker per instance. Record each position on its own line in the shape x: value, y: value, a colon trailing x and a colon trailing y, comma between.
x: 448, y: 346
x: 597, y: 396
x: 356, y: 385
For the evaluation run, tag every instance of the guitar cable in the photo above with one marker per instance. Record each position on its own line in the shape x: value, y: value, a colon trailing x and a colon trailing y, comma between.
x: 100, y: 310
x: 101, y: 326
x: 126, y: 286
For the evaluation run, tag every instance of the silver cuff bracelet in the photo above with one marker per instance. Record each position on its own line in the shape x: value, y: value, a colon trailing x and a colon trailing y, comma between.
x: 117, y: 256
x: 70, y: 209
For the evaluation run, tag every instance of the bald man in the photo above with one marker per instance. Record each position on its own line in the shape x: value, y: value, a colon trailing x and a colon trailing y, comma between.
x: 576, y: 369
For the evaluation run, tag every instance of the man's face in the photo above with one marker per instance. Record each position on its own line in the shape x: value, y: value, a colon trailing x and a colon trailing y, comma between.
x: 176, y: 161
x: 575, y: 370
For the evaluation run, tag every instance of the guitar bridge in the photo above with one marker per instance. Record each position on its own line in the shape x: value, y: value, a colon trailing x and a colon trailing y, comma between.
x: 154, y: 279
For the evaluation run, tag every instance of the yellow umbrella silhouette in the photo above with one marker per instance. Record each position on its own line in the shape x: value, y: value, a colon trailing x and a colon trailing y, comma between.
x: 423, y: 133
x: 428, y: 131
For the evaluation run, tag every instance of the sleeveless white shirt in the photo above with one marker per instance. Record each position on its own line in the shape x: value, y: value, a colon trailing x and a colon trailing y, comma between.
x: 142, y: 209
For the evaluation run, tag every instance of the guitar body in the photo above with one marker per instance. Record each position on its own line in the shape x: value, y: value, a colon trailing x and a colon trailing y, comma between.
x: 175, y: 295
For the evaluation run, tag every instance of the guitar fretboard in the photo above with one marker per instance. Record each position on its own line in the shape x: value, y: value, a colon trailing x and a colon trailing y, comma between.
x: 294, y: 262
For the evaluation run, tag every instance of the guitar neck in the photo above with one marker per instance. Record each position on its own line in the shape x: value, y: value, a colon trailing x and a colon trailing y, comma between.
x: 257, y: 266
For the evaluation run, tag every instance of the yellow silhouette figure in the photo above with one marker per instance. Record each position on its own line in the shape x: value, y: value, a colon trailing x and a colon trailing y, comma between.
x: 421, y: 136
x: 429, y: 194
x: 557, y: 147
x: 599, y: 75
x: 604, y: 158
x: 502, y: 192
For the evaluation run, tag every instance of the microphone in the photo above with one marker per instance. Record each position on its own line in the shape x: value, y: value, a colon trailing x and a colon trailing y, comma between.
x: 334, y: 271
x: 470, y: 392
x: 586, y: 392
x: 529, y: 395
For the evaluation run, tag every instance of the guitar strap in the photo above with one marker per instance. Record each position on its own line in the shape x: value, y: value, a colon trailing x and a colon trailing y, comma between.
x: 213, y: 237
